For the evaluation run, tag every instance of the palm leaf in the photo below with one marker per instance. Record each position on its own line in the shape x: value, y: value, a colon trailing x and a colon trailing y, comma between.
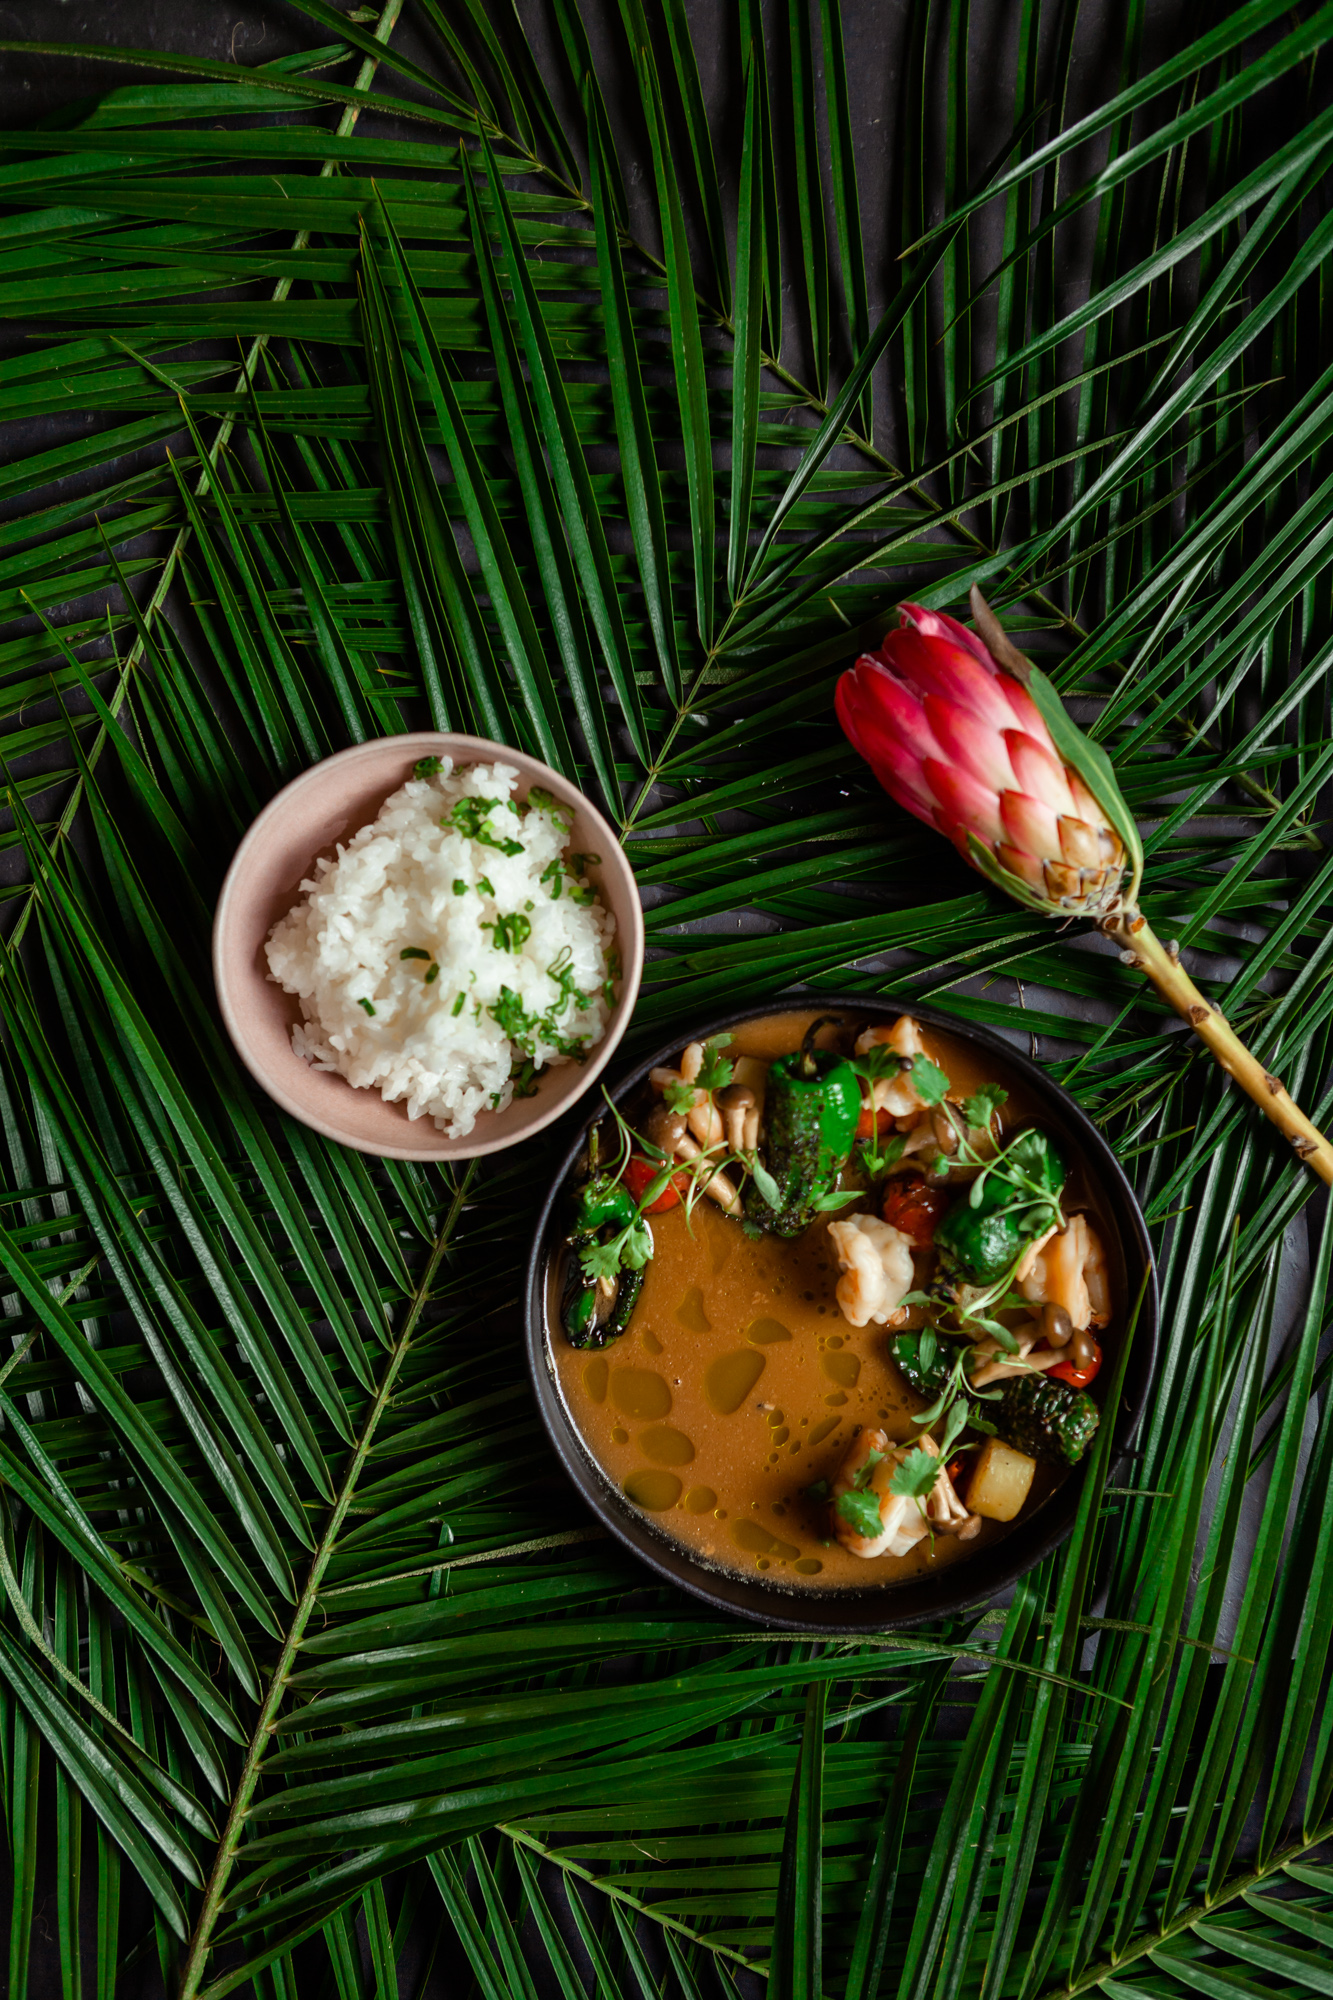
x: 279, y: 1514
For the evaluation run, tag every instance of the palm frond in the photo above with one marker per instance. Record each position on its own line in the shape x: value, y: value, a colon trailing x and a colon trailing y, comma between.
x: 298, y: 1623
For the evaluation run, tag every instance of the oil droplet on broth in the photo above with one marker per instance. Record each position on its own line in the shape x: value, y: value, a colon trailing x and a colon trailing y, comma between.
x: 824, y: 1428
x: 638, y: 1392
x: 780, y: 1435
x: 690, y: 1312
x: 764, y: 1332
x: 756, y: 1540
x: 729, y: 1379
x: 808, y: 1566
x: 654, y: 1490
x: 619, y: 1435
x: 666, y: 1446
x: 700, y: 1499
x: 594, y: 1377
x: 651, y: 1342
x: 837, y: 1397
x: 842, y: 1368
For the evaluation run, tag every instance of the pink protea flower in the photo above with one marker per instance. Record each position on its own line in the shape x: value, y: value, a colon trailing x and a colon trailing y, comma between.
x: 966, y: 733
x: 961, y: 742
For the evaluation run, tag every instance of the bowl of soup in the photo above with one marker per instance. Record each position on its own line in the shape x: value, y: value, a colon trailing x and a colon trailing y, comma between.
x: 823, y: 1309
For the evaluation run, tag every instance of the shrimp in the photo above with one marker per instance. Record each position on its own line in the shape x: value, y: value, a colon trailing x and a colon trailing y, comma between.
x: 895, y: 1094
x: 1070, y: 1271
x: 876, y: 1262
x: 902, y: 1522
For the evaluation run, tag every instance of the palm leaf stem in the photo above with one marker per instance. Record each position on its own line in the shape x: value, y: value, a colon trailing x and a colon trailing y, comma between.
x: 261, y: 1741
x: 1231, y: 1891
x: 522, y: 1838
x: 384, y: 27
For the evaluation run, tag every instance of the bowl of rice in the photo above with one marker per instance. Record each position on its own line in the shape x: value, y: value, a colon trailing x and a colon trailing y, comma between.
x: 428, y: 947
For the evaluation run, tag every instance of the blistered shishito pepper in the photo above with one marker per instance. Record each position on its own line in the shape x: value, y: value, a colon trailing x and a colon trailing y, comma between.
x: 980, y: 1244
x: 1045, y: 1419
x: 591, y: 1315
x: 811, y: 1105
x: 603, y: 1202
x: 594, y: 1312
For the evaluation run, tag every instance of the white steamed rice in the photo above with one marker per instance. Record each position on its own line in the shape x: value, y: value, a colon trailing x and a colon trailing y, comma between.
x: 407, y: 883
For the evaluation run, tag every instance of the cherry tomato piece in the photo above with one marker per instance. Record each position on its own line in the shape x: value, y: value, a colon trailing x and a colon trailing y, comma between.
x: 873, y: 1124
x: 1077, y: 1378
x: 638, y: 1175
x: 914, y: 1208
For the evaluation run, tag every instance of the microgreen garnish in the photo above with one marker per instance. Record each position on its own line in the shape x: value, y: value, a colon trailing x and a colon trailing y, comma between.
x: 715, y: 1071
x: 928, y: 1080
x: 915, y: 1478
x: 981, y: 1108
x: 861, y: 1512
x: 877, y: 1159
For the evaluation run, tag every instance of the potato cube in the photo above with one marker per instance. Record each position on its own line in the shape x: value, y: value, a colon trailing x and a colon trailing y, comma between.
x: 1001, y: 1481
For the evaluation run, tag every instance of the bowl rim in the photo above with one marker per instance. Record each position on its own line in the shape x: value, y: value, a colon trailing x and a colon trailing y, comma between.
x: 961, y: 1586
x: 630, y: 939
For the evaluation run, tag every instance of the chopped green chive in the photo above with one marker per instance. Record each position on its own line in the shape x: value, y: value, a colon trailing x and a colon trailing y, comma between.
x: 432, y: 974
x: 483, y: 883
x: 509, y: 933
x: 460, y: 886
x: 458, y: 1005
x: 426, y: 767
x: 366, y: 1004
x: 413, y: 951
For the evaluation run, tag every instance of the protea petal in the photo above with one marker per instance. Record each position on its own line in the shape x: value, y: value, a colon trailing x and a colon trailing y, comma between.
x: 933, y: 666
x: 963, y: 803
x: 875, y: 689
x: 873, y: 723
x: 1030, y: 824
x: 939, y: 625
x: 900, y: 774
x: 1026, y: 713
x: 1085, y: 805
x: 1026, y: 866
x: 1080, y: 844
x: 1039, y: 771
x: 959, y: 740
x: 967, y: 742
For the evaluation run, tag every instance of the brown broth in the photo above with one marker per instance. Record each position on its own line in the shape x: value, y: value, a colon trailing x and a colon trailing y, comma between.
x: 738, y: 1383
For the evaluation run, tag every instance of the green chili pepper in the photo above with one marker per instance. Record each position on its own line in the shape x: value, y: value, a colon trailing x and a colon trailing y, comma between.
x: 604, y: 1201
x: 811, y: 1107
x: 1045, y: 1419
x: 593, y: 1314
x: 1017, y: 1203
x: 579, y: 1313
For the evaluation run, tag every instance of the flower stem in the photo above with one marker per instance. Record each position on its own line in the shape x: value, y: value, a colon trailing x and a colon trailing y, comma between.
x: 1160, y: 963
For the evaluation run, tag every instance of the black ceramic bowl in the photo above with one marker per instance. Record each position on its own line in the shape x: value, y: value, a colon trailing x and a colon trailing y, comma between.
x: 881, y: 1606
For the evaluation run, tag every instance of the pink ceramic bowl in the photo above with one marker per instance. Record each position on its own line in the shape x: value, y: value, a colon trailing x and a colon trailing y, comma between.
x: 327, y: 804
